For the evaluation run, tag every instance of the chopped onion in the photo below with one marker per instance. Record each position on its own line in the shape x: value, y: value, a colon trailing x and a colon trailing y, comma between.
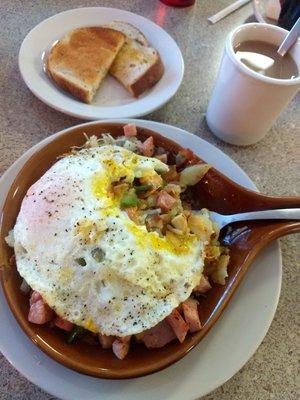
x: 155, y: 211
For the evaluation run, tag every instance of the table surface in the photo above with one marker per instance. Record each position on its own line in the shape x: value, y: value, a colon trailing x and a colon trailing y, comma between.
x: 273, y: 163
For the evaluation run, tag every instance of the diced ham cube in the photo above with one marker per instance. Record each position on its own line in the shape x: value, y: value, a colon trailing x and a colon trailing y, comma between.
x: 125, y: 338
x: 40, y: 313
x: 106, y: 341
x: 185, y: 157
x: 35, y: 296
x: 178, y: 324
x: 130, y: 130
x: 63, y: 324
x: 203, y: 285
x: 121, y: 347
x: 191, y: 316
x: 147, y: 147
x: 165, y: 201
x: 159, y: 335
x: 162, y: 157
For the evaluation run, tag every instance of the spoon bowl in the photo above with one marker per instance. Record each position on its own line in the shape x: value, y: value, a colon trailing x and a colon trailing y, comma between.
x: 215, y: 192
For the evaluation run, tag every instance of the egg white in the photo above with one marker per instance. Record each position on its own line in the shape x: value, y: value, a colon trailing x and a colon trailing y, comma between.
x: 68, y: 213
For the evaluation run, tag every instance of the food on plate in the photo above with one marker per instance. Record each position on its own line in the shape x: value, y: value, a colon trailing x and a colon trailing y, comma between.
x: 138, y: 66
x: 110, y: 248
x: 81, y: 59
x: 79, y: 62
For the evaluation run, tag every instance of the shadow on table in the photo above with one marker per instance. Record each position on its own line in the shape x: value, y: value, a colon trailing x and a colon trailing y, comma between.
x: 251, y: 18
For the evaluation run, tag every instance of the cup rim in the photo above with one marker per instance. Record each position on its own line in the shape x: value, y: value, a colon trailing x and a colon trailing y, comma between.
x: 248, y: 71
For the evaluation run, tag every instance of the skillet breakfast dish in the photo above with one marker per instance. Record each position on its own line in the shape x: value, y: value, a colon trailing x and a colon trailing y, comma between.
x: 110, y: 249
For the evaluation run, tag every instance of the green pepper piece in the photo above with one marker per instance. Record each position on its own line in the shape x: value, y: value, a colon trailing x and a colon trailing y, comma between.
x: 129, y: 199
x: 142, y: 188
x: 73, y: 335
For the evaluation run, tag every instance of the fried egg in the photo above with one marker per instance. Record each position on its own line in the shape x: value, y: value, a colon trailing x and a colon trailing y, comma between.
x: 91, y: 263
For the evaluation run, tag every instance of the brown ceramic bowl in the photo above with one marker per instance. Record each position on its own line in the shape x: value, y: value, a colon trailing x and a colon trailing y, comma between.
x: 217, y: 193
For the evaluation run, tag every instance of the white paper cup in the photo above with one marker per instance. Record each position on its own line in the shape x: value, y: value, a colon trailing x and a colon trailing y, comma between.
x: 244, y: 104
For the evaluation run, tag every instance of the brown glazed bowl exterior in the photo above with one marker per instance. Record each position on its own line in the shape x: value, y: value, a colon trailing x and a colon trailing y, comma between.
x: 216, y: 192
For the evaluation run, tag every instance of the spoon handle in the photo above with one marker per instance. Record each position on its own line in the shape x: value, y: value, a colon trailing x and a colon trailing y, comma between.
x: 290, y: 39
x: 287, y: 213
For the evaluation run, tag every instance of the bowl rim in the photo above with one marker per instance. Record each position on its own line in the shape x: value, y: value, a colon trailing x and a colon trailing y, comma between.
x: 179, y: 352
x: 41, y: 375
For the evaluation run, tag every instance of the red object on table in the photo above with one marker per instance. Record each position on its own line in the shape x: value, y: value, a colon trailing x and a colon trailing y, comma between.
x: 179, y: 3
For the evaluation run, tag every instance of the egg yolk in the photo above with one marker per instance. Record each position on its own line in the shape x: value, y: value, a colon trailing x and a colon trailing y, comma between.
x: 102, y: 182
x: 89, y: 325
x: 171, y: 242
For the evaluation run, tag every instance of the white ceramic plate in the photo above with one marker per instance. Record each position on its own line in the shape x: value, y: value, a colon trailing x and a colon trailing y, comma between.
x: 226, y: 348
x: 111, y: 100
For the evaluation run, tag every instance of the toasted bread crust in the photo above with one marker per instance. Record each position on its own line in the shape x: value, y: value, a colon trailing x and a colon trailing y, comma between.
x: 79, y: 62
x: 149, y: 79
x: 75, y: 90
x: 122, y: 27
x: 137, y: 66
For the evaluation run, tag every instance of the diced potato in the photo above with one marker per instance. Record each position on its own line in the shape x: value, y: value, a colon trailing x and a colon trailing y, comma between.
x: 193, y: 174
x: 219, y: 275
x: 195, y: 224
x: 173, y: 189
x: 155, y: 181
x: 201, y: 225
x: 179, y: 222
x: 212, y: 252
x: 133, y: 214
x: 174, y: 230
